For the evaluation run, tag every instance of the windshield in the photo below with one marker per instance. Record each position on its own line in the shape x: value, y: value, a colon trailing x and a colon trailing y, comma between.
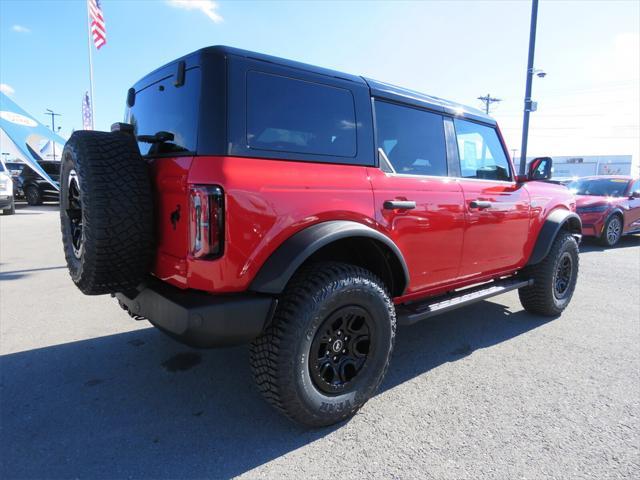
x: 600, y: 187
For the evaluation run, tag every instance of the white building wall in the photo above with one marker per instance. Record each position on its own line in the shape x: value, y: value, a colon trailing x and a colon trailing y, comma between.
x: 585, y: 165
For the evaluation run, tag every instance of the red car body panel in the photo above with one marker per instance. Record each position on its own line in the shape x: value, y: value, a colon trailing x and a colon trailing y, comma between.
x: 266, y: 201
x: 445, y: 243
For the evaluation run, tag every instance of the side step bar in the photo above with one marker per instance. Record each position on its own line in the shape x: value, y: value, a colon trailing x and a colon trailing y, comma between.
x: 409, y: 314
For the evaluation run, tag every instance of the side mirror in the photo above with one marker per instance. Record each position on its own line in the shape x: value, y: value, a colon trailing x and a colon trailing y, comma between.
x: 540, y: 169
x: 635, y: 194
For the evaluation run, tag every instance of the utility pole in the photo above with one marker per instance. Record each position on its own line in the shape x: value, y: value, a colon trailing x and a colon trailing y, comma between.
x: 529, y: 106
x: 53, y: 127
x: 488, y: 100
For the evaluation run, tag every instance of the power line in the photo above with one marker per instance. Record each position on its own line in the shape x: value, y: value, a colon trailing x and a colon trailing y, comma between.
x: 53, y: 127
x: 488, y: 100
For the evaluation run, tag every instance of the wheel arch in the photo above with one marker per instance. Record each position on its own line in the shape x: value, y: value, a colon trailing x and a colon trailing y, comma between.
x: 339, y: 240
x: 615, y: 211
x: 556, y: 221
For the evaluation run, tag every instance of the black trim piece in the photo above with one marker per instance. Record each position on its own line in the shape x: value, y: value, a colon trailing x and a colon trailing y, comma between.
x: 399, y: 205
x: 180, y: 74
x: 552, y: 225
x: 131, y: 97
x: 453, y: 160
x: 293, y: 252
x: 615, y: 211
x: 199, y: 319
x: 415, y: 312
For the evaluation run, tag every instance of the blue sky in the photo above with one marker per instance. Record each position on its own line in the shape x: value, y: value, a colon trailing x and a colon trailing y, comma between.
x: 588, y: 103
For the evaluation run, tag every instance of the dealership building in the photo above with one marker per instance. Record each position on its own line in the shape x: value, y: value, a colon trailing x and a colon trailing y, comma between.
x: 581, y: 166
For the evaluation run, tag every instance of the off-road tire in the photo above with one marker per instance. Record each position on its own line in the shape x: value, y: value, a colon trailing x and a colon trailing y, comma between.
x: 280, y: 356
x: 604, y: 238
x: 33, y: 196
x: 11, y: 210
x: 541, y: 298
x: 115, y: 193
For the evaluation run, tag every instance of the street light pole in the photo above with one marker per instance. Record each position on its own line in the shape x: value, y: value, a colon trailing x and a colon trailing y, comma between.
x: 53, y: 127
x: 527, y: 95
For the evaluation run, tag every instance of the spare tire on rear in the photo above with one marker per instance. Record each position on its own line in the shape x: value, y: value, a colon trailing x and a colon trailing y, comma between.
x: 106, y: 212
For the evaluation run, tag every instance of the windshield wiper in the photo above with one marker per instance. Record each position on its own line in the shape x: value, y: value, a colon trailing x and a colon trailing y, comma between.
x: 158, y: 137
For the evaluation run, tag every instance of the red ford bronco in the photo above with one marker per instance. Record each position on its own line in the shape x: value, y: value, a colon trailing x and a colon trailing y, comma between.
x: 253, y: 199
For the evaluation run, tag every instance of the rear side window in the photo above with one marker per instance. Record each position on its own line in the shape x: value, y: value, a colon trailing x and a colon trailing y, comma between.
x: 164, y: 107
x: 413, y: 140
x: 480, y: 151
x: 296, y: 116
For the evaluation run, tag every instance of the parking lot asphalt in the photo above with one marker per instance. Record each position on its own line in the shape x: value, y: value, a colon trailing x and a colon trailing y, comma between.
x: 488, y: 391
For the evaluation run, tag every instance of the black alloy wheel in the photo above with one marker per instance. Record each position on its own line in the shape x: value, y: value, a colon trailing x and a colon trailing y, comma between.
x: 340, y: 348
x: 33, y: 196
x: 563, y: 274
x: 74, y: 214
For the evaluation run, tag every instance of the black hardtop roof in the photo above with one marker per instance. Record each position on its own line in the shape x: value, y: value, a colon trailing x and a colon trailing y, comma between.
x: 378, y: 89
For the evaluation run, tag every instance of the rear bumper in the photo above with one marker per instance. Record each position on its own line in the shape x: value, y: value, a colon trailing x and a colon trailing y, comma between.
x: 199, y: 319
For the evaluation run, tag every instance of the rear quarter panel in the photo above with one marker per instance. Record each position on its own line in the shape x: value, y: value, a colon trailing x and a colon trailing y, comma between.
x: 266, y: 202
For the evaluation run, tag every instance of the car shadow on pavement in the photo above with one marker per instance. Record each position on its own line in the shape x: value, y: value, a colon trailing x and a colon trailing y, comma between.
x: 590, y: 244
x: 140, y: 405
x: 18, y: 274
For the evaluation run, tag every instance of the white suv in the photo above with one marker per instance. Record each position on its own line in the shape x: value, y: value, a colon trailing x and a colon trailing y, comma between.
x: 7, y: 203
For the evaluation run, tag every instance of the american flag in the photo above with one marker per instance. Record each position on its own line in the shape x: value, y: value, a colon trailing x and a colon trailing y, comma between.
x: 98, y: 27
x: 87, y: 117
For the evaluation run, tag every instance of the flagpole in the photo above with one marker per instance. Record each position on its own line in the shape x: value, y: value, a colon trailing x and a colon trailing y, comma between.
x: 90, y: 66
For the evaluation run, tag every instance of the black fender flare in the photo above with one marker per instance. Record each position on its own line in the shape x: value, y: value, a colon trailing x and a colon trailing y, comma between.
x: 275, y: 273
x: 555, y: 221
x: 615, y: 211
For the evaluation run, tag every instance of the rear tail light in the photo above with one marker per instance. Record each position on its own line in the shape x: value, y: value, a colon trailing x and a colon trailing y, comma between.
x: 206, y: 221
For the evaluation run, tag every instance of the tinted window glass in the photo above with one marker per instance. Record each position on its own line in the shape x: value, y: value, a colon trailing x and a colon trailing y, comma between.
x: 164, y: 107
x: 600, y: 187
x: 480, y: 151
x: 289, y: 115
x: 412, y: 139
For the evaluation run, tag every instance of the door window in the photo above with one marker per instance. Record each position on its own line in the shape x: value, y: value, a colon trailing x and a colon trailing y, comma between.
x: 412, y: 139
x: 480, y: 151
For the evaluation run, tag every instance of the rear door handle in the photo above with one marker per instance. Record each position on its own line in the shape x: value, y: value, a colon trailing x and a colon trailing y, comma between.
x: 480, y: 204
x: 399, y: 205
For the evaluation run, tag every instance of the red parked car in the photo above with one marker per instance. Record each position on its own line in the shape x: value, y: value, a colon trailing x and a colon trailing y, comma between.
x: 609, y: 206
x: 248, y: 198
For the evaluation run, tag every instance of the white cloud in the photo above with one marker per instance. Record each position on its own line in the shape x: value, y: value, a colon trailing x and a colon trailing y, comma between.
x: 6, y: 89
x: 208, y: 7
x: 20, y: 29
